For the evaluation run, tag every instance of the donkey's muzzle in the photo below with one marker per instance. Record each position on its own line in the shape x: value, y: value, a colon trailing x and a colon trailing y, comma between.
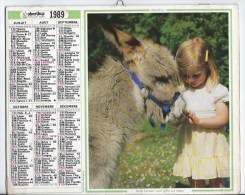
x: 176, y: 115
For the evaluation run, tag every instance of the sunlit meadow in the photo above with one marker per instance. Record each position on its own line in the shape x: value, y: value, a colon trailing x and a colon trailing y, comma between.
x: 148, y: 160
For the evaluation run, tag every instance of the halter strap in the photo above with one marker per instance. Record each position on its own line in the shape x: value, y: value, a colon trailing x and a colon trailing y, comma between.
x: 165, y: 107
x: 134, y: 77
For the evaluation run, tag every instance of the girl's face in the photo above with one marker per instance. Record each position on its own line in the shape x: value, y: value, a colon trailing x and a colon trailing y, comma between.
x: 194, y: 77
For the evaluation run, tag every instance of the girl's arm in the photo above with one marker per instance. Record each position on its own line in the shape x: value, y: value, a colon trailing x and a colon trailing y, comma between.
x: 221, y: 118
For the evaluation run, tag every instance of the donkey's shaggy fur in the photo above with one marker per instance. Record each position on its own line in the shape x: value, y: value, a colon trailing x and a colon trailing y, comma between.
x: 117, y: 106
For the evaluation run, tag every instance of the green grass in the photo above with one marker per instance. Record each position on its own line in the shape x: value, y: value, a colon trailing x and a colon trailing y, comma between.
x: 148, y: 160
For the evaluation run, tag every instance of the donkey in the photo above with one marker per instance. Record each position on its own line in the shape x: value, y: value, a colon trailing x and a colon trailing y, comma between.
x: 119, y: 99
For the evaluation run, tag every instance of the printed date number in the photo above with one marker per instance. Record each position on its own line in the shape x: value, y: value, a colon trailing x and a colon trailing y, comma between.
x: 57, y: 14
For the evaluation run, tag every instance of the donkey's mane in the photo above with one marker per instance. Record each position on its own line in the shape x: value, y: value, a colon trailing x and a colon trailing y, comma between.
x: 111, y: 87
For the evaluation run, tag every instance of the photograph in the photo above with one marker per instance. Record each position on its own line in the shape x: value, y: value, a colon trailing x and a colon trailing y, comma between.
x: 159, y: 103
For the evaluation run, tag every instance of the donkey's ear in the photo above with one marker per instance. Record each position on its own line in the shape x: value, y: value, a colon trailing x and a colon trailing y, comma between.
x: 121, y: 40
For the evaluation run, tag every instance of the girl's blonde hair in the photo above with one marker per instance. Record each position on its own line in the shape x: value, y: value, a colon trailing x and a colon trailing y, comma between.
x: 196, y: 52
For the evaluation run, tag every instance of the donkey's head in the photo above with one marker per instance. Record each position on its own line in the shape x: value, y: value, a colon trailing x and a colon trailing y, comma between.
x: 153, y: 65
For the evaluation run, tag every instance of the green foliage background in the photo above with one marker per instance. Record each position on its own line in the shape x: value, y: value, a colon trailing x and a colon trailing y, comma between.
x: 168, y: 29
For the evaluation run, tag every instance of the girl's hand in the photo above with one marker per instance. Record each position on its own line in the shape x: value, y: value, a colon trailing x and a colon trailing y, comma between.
x: 192, y: 118
x: 219, y: 120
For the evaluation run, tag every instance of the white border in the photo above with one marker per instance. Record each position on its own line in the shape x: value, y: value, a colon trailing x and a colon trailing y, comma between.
x: 241, y: 4
x: 234, y: 70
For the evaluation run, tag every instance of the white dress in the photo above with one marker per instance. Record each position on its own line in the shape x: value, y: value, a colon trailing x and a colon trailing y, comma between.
x: 203, y: 153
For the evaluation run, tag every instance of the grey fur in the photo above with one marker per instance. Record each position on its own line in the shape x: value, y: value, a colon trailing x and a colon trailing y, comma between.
x: 117, y: 106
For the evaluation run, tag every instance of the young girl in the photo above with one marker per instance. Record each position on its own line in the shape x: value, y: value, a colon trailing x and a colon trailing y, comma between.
x: 203, y: 151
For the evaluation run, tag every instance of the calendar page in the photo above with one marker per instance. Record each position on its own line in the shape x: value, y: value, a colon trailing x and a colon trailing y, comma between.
x: 91, y: 93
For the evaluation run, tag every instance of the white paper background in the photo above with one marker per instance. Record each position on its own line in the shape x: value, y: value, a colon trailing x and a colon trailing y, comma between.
x: 241, y: 4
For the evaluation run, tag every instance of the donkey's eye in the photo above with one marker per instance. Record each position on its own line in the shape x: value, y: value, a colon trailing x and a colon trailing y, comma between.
x: 162, y: 79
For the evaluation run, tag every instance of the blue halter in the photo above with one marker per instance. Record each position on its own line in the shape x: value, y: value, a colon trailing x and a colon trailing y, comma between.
x: 166, y: 108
